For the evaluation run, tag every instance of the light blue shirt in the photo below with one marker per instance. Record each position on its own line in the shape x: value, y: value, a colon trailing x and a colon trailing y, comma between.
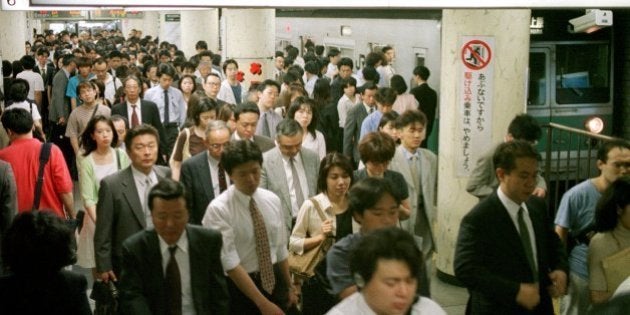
x: 370, y: 123
x: 177, y: 104
x: 575, y: 213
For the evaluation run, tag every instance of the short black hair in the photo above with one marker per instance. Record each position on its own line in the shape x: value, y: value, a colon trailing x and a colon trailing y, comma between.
x: 411, y: 116
x: 264, y: 84
x: 18, y: 90
x: 386, y: 96
x: 604, y: 148
x: 349, y: 81
x: 370, y: 74
x: 227, y: 62
x: 422, y: 71
x: 38, y: 242
x: 328, y: 162
x: 391, y: 116
x: 166, y: 69
x: 18, y: 120
x: 390, y: 243
x: 333, y: 52
x: 345, y: 61
x: 246, y: 107
x: 367, y: 86
x: 506, y: 154
x: 140, y: 130
x: 525, y: 127
x: 367, y: 192
x: 166, y: 189
x: 201, y: 45
x: 239, y: 152
x: 7, y: 68
x: 27, y: 62
x: 612, y: 204
x: 312, y: 67
x: 398, y: 84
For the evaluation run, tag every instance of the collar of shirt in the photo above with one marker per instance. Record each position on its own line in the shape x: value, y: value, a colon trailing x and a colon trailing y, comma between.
x: 141, y: 177
x: 408, y: 155
x: 66, y: 72
x: 213, y: 161
x: 367, y: 108
x: 181, y: 244
x: 243, y: 198
x: 287, y: 159
x: 511, y: 206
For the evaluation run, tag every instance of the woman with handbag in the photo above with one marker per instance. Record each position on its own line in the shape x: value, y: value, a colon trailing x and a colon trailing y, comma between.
x: 192, y: 140
x: 322, y: 220
x: 100, y: 158
x: 609, y: 249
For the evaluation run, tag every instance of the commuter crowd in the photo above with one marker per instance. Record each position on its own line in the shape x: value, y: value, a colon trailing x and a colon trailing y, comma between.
x: 310, y: 192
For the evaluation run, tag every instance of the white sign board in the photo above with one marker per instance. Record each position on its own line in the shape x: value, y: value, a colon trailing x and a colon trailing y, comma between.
x: 475, y: 88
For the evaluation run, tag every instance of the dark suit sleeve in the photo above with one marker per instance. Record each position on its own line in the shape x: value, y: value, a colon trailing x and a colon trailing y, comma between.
x: 104, y: 226
x: 132, y: 300
x: 187, y: 179
x: 470, y: 265
x: 154, y: 120
x: 83, y: 305
x: 556, y: 253
x: 219, y: 299
x: 8, y: 197
x: 348, y: 132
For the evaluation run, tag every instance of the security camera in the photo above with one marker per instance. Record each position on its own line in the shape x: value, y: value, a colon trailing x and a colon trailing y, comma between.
x: 592, y: 21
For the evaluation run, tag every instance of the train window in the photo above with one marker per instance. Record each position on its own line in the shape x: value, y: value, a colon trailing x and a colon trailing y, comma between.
x: 582, y: 73
x: 537, y: 94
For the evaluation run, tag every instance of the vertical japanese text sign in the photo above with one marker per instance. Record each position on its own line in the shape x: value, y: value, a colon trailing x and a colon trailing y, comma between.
x: 475, y: 89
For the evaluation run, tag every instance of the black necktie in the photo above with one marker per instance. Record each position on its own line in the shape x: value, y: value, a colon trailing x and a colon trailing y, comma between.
x: 222, y: 179
x: 167, y: 119
x: 266, y: 129
x: 527, y: 244
x: 173, y: 284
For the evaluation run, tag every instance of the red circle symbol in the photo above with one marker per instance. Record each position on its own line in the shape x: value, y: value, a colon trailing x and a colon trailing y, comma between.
x: 476, y: 54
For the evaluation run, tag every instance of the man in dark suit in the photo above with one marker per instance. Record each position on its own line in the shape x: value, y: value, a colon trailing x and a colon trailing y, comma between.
x: 122, y: 208
x: 173, y: 253
x: 47, y: 70
x: 426, y: 97
x: 290, y: 171
x: 507, y: 254
x: 146, y: 112
x: 59, y: 109
x: 356, y: 115
x: 201, y: 174
x: 246, y: 116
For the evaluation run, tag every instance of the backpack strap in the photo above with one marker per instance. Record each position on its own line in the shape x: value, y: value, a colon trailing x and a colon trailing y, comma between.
x: 44, y: 156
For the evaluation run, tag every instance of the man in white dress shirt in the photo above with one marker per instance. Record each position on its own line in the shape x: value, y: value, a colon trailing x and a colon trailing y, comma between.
x: 254, y: 253
x: 385, y: 268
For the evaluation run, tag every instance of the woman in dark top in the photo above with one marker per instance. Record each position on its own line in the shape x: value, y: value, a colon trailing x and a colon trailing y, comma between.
x: 377, y: 149
x: 35, y: 249
x: 335, y: 177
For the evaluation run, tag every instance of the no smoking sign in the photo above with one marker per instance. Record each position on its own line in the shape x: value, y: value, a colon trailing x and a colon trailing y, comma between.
x: 476, y: 54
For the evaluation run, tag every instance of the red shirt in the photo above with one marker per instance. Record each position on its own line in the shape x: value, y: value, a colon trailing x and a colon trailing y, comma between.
x: 23, y: 155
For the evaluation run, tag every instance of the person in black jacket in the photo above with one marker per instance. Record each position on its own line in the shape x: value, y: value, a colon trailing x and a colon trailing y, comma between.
x: 35, y: 249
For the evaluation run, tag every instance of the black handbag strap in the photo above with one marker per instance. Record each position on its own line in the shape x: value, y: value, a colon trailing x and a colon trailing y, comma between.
x: 117, y: 159
x: 44, y: 156
x: 94, y: 112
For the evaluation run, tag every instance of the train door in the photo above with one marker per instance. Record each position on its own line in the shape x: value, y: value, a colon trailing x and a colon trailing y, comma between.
x: 539, y: 84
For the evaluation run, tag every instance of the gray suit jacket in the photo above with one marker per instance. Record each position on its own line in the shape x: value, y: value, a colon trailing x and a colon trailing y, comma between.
x: 60, y: 103
x: 274, y: 178
x: 428, y: 181
x: 195, y: 176
x: 141, y: 283
x: 118, y: 215
x: 483, y: 179
x: 352, y: 132
x: 264, y: 143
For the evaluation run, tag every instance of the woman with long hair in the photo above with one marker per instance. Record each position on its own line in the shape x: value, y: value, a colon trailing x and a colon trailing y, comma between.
x: 100, y: 159
x: 304, y: 112
x: 335, y: 178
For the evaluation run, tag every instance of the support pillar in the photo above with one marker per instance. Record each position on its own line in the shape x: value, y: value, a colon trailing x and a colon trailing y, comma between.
x: 14, y: 33
x: 510, y: 30
x: 199, y: 25
x: 248, y: 35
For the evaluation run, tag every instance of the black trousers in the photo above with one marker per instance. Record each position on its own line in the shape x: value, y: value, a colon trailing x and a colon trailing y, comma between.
x: 171, y: 131
x: 58, y: 137
x: 240, y: 304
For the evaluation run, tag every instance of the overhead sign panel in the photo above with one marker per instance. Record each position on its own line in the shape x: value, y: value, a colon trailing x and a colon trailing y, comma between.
x: 336, y: 3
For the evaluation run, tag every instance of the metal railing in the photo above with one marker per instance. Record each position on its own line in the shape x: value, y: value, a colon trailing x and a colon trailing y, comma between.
x: 570, y: 157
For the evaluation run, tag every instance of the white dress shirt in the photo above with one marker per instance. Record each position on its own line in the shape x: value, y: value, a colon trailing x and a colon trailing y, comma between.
x: 182, y: 256
x: 143, y: 191
x: 512, y: 209
x: 356, y: 304
x: 229, y: 213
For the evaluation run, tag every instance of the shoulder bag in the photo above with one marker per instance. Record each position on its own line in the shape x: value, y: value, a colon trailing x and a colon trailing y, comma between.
x: 304, y: 265
x: 616, y: 267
